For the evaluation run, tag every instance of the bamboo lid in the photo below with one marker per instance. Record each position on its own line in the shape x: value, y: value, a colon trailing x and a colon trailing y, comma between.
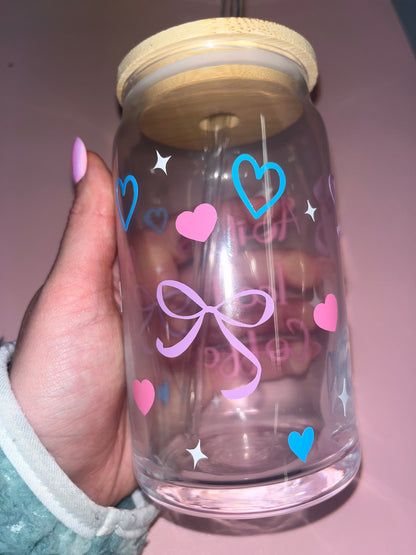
x: 188, y: 106
x: 217, y: 32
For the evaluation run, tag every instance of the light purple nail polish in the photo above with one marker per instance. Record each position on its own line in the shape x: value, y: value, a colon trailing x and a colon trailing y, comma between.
x: 79, y: 160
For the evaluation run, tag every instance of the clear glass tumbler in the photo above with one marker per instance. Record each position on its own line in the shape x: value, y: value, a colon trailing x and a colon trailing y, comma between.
x: 236, y: 340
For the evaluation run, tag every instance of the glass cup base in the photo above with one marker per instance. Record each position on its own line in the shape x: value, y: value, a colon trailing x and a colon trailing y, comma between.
x: 255, y: 501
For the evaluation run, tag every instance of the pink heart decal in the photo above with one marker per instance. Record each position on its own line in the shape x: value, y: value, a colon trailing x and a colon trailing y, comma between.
x: 197, y: 225
x: 325, y: 314
x: 144, y: 395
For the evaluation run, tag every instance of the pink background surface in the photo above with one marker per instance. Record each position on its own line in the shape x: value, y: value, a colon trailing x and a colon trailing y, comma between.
x: 58, y: 64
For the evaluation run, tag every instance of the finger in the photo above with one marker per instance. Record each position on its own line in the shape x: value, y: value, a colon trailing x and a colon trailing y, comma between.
x: 156, y: 254
x: 153, y: 261
x: 230, y: 370
x: 249, y: 269
x: 78, y: 290
x: 257, y: 270
x: 299, y: 270
x: 88, y: 247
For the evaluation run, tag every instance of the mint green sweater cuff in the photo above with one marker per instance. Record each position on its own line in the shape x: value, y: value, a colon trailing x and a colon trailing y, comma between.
x: 28, y: 527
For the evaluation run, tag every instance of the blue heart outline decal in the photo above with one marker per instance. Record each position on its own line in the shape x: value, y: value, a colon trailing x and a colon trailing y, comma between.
x: 301, y: 444
x: 122, y: 185
x: 156, y: 211
x: 163, y: 392
x: 259, y: 171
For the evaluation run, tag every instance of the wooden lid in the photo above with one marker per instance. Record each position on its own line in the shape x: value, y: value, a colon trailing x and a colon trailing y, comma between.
x: 190, y: 109
x: 209, y: 34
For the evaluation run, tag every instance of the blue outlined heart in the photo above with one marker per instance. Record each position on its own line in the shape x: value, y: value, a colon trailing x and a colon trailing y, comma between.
x: 163, y: 392
x: 259, y: 171
x: 122, y: 185
x: 301, y: 444
x: 151, y: 214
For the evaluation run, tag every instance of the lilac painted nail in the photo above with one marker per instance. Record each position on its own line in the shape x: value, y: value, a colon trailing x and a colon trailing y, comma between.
x: 79, y: 160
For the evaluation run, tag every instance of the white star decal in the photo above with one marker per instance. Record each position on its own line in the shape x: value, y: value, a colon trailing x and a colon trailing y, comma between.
x: 197, y: 454
x: 344, y: 397
x: 311, y: 211
x: 161, y: 162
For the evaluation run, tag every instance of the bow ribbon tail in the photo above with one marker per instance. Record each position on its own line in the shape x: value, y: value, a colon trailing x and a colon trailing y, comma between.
x: 183, y: 344
x: 245, y: 390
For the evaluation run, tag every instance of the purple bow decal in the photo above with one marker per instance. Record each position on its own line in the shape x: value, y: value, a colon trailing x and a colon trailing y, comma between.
x: 184, y: 343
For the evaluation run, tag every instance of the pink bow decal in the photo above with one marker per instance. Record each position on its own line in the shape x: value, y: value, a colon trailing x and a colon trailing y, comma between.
x: 184, y: 343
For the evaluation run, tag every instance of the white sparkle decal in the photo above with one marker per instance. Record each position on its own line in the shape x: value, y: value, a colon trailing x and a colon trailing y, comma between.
x: 344, y: 397
x: 197, y: 454
x: 161, y: 162
x: 311, y: 211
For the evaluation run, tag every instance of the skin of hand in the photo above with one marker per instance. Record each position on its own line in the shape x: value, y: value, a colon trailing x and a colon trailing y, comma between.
x: 68, y: 369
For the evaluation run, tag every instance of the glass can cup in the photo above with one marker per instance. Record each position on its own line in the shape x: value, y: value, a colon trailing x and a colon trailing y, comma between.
x: 235, y: 330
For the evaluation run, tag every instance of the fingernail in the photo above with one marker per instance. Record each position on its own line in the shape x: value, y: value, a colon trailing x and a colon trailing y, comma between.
x: 79, y: 160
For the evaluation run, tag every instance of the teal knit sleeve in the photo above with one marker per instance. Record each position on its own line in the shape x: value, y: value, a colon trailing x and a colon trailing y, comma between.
x: 27, y: 527
x: 41, y: 511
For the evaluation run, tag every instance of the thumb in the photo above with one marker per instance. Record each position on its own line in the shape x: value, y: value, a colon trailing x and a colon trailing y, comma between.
x: 88, y: 247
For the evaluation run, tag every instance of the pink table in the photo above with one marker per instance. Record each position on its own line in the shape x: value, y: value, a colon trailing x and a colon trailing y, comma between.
x: 57, y: 73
